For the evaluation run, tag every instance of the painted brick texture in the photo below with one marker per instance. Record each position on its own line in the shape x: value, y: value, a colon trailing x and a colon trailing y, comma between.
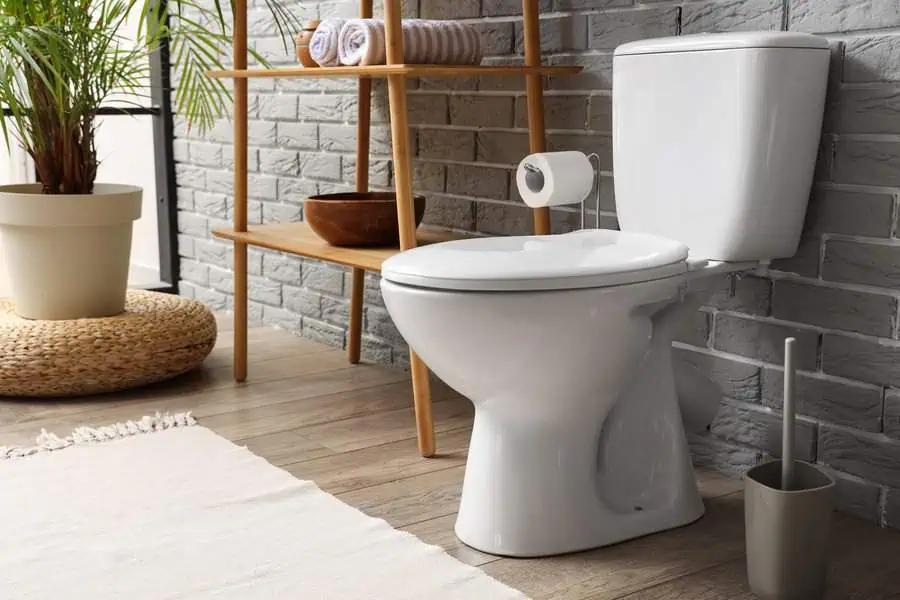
x: 838, y: 296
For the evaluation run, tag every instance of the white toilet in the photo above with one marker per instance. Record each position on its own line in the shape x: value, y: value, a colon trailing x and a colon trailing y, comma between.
x: 563, y: 343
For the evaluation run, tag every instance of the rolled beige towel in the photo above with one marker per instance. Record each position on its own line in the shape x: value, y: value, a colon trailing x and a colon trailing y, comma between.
x: 363, y: 42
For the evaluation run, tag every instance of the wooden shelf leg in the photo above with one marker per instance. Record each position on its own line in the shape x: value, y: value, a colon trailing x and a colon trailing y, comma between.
x: 240, y: 312
x: 358, y: 279
x: 403, y: 188
x: 422, y: 404
x: 240, y: 192
x: 535, y: 92
x: 354, y: 342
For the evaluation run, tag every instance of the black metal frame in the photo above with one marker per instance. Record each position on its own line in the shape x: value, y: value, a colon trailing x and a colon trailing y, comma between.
x: 164, y: 152
x: 164, y: 159
x: 105, y: 111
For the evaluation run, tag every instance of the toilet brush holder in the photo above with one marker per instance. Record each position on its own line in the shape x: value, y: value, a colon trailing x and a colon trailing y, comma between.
x: 788, y: 511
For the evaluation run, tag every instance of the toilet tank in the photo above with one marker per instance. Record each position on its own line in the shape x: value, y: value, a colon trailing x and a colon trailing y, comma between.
x: 715, y: 139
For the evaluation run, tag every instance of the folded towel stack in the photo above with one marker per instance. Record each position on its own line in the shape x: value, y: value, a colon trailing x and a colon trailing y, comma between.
x: 352, y: 42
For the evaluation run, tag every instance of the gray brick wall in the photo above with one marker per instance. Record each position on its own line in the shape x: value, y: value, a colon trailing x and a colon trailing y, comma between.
x: 838, y: 295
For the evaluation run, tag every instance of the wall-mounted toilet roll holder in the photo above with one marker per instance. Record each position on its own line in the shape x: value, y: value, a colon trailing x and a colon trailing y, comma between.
x: 535, y: 181
x: 593, y: 155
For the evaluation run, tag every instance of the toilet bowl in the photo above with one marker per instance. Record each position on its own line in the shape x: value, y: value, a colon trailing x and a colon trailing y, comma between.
x: 563, y: 343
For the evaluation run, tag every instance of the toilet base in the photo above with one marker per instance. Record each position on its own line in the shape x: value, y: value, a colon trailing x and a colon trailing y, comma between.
x: 658, y: 524
x: 554, y: 483
x: 543, y: 491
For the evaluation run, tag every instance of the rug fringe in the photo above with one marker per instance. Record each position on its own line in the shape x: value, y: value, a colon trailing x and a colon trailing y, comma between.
x: 50, y: 442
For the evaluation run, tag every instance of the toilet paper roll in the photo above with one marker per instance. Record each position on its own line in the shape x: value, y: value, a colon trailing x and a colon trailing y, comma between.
x: 554, y: 178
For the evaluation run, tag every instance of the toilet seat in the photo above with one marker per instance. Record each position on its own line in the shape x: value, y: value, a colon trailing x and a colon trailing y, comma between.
x: 581, y: 259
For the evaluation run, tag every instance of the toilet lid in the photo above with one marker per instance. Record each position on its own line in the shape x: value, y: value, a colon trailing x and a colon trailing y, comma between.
x: 581, y: 259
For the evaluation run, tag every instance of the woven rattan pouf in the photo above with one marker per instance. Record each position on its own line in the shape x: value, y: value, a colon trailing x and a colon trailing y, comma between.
x: 158, y: 337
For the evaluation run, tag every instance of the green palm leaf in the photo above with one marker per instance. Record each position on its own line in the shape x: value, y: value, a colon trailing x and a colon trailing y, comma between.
x: 61, y: 60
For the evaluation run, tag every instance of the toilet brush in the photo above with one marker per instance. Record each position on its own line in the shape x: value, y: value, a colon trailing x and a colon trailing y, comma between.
x: 787, y: 513
x: 787, y: 434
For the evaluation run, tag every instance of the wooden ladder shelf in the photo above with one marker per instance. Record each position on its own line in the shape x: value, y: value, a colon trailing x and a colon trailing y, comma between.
x: 298, y: 239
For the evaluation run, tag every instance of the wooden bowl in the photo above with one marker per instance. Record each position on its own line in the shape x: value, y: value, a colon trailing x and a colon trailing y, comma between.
x: 357, y: 218
x: 302, y: 42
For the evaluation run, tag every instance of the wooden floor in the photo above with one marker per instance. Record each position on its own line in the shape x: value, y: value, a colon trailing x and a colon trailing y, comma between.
x: 350, y: 429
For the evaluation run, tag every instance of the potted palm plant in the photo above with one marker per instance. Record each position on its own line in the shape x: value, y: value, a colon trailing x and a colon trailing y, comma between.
x: 67, y: 239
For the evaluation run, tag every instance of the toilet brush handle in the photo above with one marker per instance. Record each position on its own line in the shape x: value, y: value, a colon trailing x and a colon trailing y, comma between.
x: 787, y: 437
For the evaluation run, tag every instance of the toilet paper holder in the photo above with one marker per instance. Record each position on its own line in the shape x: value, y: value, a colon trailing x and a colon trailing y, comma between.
x: 593, y: 155
x: 535, y: 181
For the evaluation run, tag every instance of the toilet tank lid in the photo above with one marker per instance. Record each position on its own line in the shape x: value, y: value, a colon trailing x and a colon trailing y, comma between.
x: 723, y: 41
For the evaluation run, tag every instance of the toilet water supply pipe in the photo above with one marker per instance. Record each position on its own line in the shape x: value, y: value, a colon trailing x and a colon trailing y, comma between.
x: 787, y: 434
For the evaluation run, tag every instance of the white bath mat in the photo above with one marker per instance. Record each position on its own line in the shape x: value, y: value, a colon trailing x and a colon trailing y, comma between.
x: 160, y: 510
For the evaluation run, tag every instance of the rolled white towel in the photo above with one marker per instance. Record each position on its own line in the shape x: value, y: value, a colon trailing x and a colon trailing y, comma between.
x: 323, y: 47
x: 362, y: 42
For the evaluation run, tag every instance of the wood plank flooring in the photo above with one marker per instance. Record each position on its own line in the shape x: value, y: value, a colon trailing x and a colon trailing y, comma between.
x: 350, y: 429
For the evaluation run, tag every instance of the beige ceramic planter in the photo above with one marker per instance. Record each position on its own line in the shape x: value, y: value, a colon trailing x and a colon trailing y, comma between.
x: 67, y: 256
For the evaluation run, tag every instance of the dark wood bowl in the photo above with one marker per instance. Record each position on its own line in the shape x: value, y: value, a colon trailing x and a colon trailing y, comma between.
x: 358, y: 218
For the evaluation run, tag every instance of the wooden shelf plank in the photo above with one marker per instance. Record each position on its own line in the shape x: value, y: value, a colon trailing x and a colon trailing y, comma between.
x: 299, y: 239
x: 406, y: 70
